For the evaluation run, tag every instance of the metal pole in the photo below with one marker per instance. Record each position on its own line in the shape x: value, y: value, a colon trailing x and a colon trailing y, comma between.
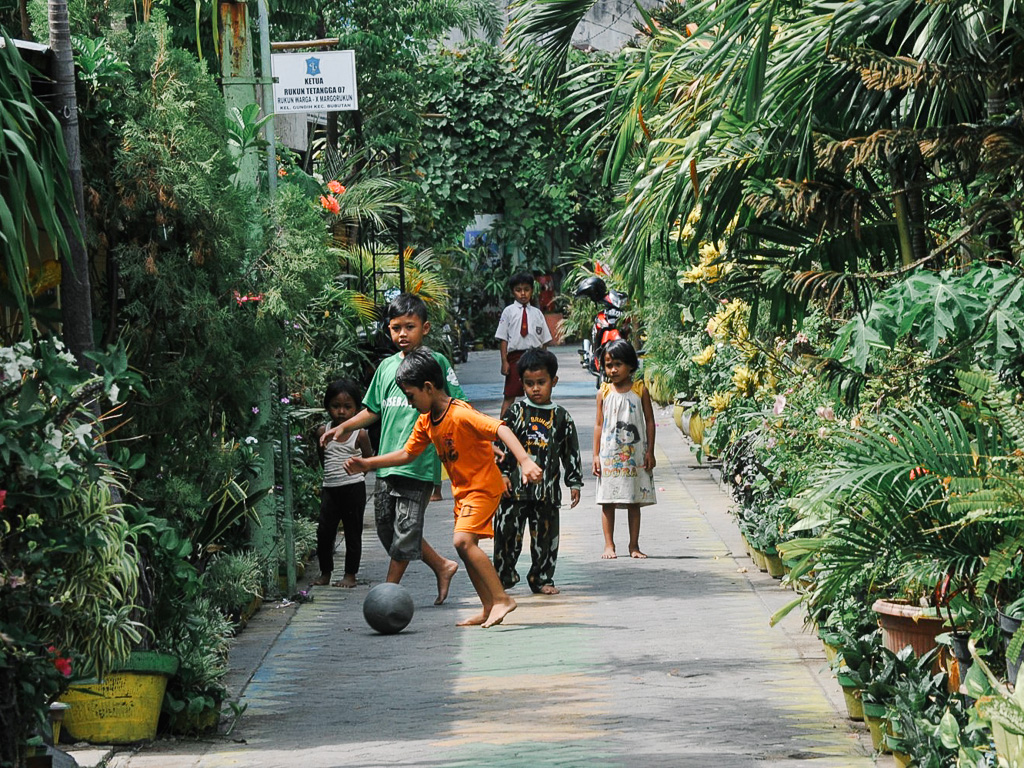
x: 268, y: 98
x: 288, y: 516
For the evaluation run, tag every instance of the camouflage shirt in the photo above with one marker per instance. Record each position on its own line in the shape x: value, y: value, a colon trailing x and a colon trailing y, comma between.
x: 548, y: 434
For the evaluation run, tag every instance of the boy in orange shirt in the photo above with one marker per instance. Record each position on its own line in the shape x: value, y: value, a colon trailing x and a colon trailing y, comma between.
x: 463, y: 438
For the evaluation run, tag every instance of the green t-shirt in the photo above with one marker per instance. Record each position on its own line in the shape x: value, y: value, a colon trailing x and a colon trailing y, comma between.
x: 385, y: 398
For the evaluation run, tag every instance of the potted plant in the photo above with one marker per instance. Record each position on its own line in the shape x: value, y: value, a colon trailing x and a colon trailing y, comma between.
x: 1002, y: 708
x: 68, y: 548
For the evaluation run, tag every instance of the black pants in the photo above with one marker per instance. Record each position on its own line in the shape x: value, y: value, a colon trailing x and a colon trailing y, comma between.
x: 341, y: 504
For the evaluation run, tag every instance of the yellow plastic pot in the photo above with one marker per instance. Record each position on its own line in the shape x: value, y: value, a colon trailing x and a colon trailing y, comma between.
x: 851, y: 695
x: 696, y: 428
x: 124, y: 707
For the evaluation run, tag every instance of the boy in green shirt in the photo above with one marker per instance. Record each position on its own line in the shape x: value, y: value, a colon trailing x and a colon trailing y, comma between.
x: 402, y: 493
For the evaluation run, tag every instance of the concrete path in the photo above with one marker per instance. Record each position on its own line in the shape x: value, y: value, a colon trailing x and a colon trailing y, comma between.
x: 663, y: 662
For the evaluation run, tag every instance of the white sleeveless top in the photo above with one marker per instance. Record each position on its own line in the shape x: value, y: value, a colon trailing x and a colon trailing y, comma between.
x: 335, y: 455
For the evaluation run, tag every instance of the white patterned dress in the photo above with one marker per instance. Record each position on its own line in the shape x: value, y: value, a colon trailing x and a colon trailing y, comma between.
x: 623, y: 480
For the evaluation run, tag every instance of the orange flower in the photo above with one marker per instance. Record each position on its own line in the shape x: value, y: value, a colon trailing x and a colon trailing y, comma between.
x: 282, y: 172
x: 330, y: 203
x: 335, y: 187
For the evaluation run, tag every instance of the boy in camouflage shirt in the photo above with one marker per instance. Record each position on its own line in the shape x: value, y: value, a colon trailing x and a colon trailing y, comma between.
x: 549, y: 435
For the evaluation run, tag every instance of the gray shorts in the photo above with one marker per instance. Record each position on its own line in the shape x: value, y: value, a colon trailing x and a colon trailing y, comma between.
x: 399, y: 505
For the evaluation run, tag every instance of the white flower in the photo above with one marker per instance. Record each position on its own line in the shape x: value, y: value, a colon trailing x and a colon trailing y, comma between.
x: 780, y: 405
x: 250, y: 440
x: 81, y: 432
x: 54, y: 436
x: 113, y: 393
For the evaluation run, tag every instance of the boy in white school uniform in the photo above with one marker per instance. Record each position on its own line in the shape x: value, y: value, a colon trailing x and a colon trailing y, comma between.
x: 521, y: 327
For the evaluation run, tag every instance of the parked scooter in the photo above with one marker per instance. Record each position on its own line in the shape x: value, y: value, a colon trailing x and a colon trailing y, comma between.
x: 458, y: 335
x: 610, y: 322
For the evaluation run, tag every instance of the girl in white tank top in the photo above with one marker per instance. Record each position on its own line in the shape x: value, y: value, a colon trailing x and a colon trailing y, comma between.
x: 342, y: 496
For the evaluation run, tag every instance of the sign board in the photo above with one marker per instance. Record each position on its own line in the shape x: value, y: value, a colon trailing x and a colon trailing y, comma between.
x: 314, y: 82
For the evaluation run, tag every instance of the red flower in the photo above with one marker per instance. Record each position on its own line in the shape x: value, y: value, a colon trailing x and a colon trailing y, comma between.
x: 3, y: 499
x: 336, y: 187
x: 61, y: 663
x: 330, y: 204
x: 242, y: 299
x: 282, y: 172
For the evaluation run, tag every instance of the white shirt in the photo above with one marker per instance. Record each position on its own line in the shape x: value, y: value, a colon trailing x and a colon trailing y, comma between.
x: 537, y: 332
x: 335, y: 455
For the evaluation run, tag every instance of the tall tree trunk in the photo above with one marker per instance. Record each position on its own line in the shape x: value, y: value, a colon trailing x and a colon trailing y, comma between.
x: 75, y: 291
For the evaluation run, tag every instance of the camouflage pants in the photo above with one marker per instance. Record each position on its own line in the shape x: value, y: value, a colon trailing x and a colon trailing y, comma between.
x: 509, y: 524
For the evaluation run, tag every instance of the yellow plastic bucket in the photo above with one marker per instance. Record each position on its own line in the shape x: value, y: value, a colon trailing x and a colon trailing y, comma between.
x: 125, y: 706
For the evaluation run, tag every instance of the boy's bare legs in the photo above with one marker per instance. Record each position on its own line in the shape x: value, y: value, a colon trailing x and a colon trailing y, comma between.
x: 634, y: 532
x: 443, y: 568
x: 608, y: 527
x: 496, y: 602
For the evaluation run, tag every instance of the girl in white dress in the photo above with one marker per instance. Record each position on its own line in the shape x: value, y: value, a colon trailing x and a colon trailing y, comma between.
x: 623, y: 445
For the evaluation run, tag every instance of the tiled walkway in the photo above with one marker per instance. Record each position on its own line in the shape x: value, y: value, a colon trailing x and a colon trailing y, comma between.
x: 664, y: 662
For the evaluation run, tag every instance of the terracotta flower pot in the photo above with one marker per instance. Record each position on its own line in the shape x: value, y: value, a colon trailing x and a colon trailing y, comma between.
x: 905, y: 624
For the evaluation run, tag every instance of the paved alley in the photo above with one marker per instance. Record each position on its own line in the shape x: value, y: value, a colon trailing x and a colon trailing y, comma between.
x: 664, y: 662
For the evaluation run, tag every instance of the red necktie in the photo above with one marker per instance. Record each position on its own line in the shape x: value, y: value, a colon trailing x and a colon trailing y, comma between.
x: 524, y: 327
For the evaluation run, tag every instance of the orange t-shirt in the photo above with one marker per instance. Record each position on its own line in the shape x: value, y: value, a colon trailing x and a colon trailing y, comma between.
x: 463, y: 438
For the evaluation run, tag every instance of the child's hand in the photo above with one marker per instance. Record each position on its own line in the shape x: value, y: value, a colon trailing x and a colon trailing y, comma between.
x: 355, y: 465
x: 327, y: 436
x: 597, y: 466
x: 508, y: 486
x: 499, y: 454
x: 649, y: 462
x: 574, y: 494
x: 530, y: 471
x: 504, y: 368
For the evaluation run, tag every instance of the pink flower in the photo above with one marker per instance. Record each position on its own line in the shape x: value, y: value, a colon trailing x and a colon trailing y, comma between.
x: 825, y: 412
x: 330, y: 204
x: 780, y: 405
x: 3, y: 499
x: 336, y: 187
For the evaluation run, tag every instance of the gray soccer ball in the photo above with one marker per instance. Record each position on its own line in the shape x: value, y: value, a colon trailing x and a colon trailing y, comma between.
x: 388, y: 608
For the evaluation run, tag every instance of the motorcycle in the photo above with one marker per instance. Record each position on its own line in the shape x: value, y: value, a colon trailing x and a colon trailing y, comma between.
x: 458, y: 337
x: 610, y: 322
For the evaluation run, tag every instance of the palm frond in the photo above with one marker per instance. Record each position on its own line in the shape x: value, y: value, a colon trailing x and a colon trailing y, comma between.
x: 541, y: 31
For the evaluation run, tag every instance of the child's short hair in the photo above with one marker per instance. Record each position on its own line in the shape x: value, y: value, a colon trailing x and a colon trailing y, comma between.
x: 521, y: 278
x: 343, y: 386
x: 419, y: 367
x: 621, y: 350
x: 537, y: 359
x: 407, y: 304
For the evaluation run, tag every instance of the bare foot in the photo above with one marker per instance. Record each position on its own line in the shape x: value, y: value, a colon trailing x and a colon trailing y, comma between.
x: 347, y: 581
x: 321, y: 581
x: 476, y: 621
x: 444, y: 580
x: 549, y: 589
x: 637, y: 554
x: 498, y: 613
x: 608, y: 554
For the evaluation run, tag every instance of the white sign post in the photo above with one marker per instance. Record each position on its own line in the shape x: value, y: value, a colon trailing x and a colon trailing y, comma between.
x: 315, y: 82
